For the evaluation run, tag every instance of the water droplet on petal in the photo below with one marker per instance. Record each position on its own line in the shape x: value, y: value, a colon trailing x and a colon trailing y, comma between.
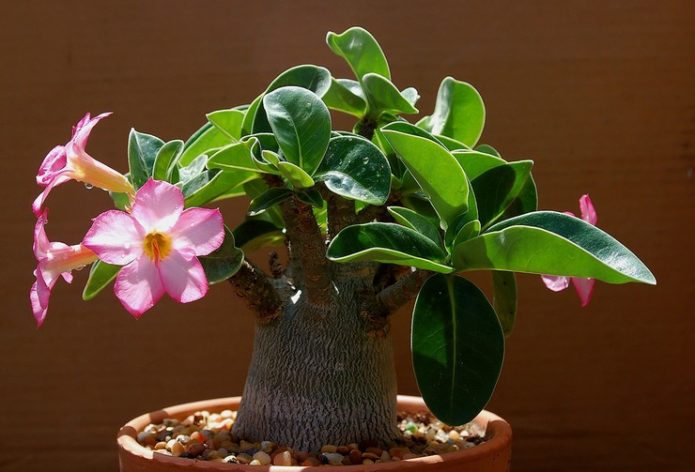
x: 88, y: 186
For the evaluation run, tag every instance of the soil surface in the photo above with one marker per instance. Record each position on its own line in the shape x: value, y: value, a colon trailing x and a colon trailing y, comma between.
x: 208, y: 436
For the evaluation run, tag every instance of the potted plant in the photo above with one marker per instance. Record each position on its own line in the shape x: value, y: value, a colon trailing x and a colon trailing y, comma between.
x: 371, y: 218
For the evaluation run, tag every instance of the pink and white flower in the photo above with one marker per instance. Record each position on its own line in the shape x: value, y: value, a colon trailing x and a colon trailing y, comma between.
x: 583, y: 286
x: 71, y: 162
x: 157, y: 243
x: 54, y: 259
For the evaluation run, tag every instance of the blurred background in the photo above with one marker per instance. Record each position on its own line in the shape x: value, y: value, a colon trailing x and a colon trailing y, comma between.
x: 600, y: 94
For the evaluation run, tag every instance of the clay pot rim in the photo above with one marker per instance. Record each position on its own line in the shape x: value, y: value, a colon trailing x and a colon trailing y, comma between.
x: 498, y: 434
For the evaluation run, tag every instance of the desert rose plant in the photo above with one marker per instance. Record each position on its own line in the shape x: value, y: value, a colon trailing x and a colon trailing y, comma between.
x: 370, y: 217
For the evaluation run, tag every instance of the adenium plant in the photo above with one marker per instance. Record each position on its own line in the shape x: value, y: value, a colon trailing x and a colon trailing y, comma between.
x: 370, y: 217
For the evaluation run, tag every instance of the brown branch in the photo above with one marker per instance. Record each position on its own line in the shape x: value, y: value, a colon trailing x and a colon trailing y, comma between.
x: 251, y: 284
x: 402, y: 291
x: 341, y: 213
x: 308, y: 250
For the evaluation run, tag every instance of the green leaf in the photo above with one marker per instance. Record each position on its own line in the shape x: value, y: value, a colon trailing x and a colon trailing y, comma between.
x: 475, y: 163
x: 451, y: 144
x: 310, y: 77
x: 100, y: 276
x: 469, y: 230
x: 212, y: 184
x: 459, y: 112
x: 413, y: 220
x: 196, y: 167
x: 389, y: 243
x: 238, y: 156
x: 311, y: 197
x: 361, y: 51
x: 224, y: 262
x: 295, y: 175
x: 384, y: 97
x: 498, y: 187
x: 256, y: 188
x: 526, y: 202
x: 356, y: 169
x: 202, y: 142
x: 504, y: 299
x: 120, y: 200
x: 254, y: 233
x: 166, y: 159
x: 228, y: 122
x: 301, y: 124
x: 457, y: 347
x: 346, y: 96
x: 267, y: 199
x: 436, y: 171
x: 487, y: 149
x: 142, y: 152
x: 552, y: 243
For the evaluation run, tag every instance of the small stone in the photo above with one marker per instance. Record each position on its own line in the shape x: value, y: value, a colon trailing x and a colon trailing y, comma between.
x: 344, y: 450
x: 333, y: 458
x: 284, y: 458
x: 147, y: 438
x: 409, y: 455
x: 310, y: 462
x: 194, y: 448
x: 385, y: 457
x: 301, y: 456
x: 454, y: 435
x: 262, y: 458
x: 353, y: 446
x: 370, y: 456
x: 329, y: 448
x: 367, y: 461
x: 243, y: 458
x: 177, y: 449
x: 245, y: 445
x: 160, y: 445
x: 398, y: 451
x: 374, y: 450
x: 231, y: 459
x: 355, y: 456
x: 255, y: 462
x: 267, y: 446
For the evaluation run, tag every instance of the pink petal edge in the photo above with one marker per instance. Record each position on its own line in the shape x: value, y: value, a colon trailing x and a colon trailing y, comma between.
x: 556, y: 283
x: 198, y: 231
x: 115, y: 237
x: 587, y: 210
x: 158, y: 206
x: 138, y: 286
x: 584, y: 289
x: 183, y: 277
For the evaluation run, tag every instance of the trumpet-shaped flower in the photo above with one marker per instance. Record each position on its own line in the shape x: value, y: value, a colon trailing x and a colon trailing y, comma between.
x: 583, y: 286
x: 157, y: 243
x: 54, y: 259
x: 71, y: 162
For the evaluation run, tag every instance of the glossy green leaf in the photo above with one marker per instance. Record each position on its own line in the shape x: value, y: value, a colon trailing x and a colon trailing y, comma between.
x: 496, y: 188
x: 459, y: 112
x: 314, y: 78
x: 457, y: 348
x: 475, y: 163
x: 413, y: 220
x: 167, y: 157
x: 361, y: 51
x: 346, y: 96
x: 120, y: 200
x: 547, y: 242
x: 487, y: 149
x: 196, y: 167
x: 384, y: 97
x: 504, y: 299
x: 237, y: 156
x: 469, y: 230
x: 267, y: 199
x: 388, y: 243
x: 256, y: 188
x: 356, y: 169
x: 224, y: 262
x: 212, y: 184
x: 202, y: 142
x: 436, y: 171
x: 301, y: 124
x: 526, y: 202
x: 142, y: 152
x: 451, y: 144
x: 295, y: 175
x: 311, y: 197
x: 100, y: 276
x: 254, y: 233
x: 228, y: 122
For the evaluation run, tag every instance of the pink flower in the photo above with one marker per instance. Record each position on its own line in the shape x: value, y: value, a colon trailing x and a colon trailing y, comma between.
x: 584, y: 287
x: 158, y: 244
x: 71, y: 162
x: 54, y: 259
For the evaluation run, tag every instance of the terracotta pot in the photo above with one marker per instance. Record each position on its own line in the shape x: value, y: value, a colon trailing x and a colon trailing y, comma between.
x: 491, y: 456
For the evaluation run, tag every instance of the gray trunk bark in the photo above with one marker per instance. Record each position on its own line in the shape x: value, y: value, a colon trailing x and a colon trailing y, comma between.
x: 317, y: 377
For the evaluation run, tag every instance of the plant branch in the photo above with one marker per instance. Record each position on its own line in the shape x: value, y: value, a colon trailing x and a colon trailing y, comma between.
x: 251, y: 284
x: 402, y: 291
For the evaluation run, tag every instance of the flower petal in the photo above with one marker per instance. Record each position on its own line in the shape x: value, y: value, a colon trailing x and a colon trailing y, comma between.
x: 39, y: 296
x: 183, y: 277
x: 198, y: 231
x: 555, y: 283
x: 41, y: 242
x: 158, y: 205
x: 83, y: 128
x: 52, y: 164
x: 584, y: 288
x: 138, y: 286
x: 116, y: 237
x: 38, y: 203
x: 587, y: 210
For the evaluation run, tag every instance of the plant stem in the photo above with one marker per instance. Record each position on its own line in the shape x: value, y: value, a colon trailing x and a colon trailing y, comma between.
x: 251, y: 284
x: 402, y: 291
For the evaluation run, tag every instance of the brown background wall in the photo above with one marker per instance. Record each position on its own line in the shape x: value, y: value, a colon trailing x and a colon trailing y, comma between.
x: 600, y: 94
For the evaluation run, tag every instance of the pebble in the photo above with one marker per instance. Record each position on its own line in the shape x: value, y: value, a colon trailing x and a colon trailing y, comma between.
x: 208, y: 436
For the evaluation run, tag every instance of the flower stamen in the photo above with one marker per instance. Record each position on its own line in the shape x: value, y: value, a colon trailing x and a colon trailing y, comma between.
x: 157, y: 245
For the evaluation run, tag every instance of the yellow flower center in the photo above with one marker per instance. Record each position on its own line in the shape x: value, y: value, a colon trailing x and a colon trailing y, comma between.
x: 157, y: 246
